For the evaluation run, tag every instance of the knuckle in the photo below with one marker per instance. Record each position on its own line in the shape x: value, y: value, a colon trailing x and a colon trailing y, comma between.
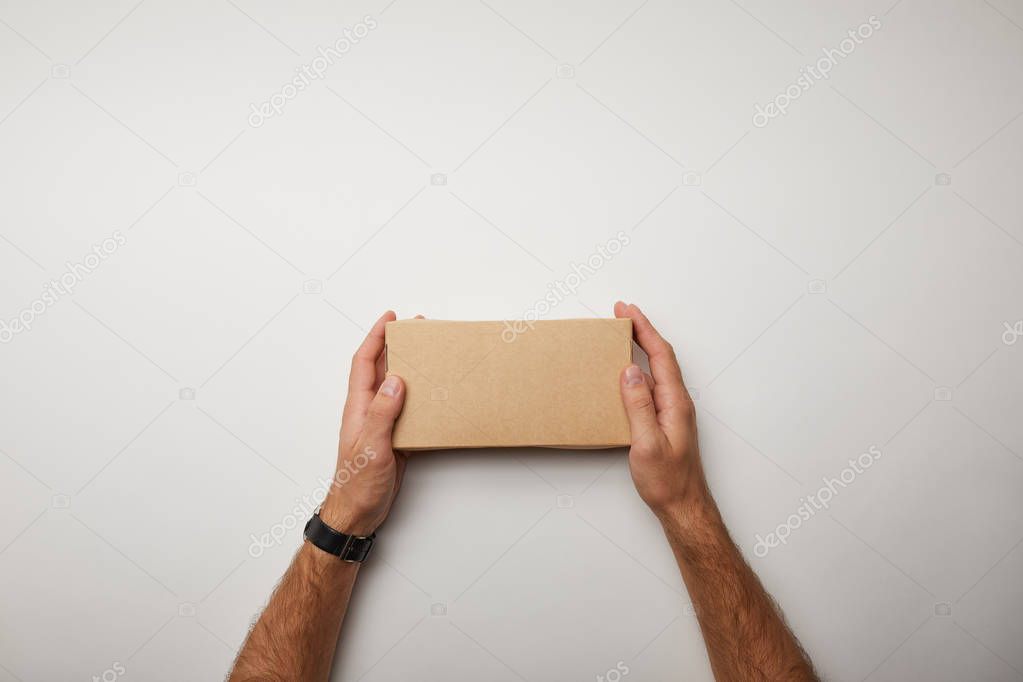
x: 641, y: 400
x: 378, y: 411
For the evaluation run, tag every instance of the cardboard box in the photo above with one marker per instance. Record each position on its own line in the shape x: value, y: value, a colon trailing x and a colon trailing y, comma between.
x: 552, y: 383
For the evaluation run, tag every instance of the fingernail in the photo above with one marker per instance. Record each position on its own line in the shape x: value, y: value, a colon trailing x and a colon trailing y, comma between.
x: 390, y: 386
x: 633, y: 375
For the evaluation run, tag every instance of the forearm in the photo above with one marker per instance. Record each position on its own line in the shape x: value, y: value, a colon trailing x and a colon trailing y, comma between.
x: 745, y: 633
x: 297, y: 633
x: 295, y: 637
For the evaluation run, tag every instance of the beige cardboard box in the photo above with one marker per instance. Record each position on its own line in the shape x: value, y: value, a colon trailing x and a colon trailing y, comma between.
x: 503, y: 384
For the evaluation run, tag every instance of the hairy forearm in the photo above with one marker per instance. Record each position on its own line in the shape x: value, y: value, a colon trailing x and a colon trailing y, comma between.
x: 295, y: 636
x: 743, y: 629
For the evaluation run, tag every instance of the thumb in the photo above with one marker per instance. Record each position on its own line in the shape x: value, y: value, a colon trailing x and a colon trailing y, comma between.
x: 384, y: 410
x: 639, y: 403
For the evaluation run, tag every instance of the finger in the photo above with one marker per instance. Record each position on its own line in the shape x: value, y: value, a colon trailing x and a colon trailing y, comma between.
x: 670, y: 398
x: 363, y: 381
x: 383, y: 411
x: 639, y: 404
x: 663, y: 364
x: 363, y: 374
x: 382, y: 364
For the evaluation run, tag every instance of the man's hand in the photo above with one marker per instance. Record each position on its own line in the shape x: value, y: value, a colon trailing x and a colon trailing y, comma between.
x: 295, y: 636
x: 368, y: 471
x: 665, y: 454
x: 745, y: 634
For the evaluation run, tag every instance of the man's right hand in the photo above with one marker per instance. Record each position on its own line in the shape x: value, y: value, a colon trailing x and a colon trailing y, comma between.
x: 665, y: 455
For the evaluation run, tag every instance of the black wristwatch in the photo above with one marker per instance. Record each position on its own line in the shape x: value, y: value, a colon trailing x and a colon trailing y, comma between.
x: 351, y: 548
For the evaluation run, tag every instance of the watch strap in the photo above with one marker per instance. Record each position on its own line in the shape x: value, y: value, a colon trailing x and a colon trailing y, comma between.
x: 352, y: 548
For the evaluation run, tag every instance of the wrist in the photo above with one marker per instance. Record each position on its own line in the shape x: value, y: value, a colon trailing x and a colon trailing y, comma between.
x: 689, y: 516
x: 345, y: 519
x: 318, y: 564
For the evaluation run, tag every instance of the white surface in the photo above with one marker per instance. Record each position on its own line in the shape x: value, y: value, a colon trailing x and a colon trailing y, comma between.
x: 128, y: 511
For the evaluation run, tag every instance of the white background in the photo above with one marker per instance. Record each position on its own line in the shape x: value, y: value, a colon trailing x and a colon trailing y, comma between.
x: 129, y: 502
